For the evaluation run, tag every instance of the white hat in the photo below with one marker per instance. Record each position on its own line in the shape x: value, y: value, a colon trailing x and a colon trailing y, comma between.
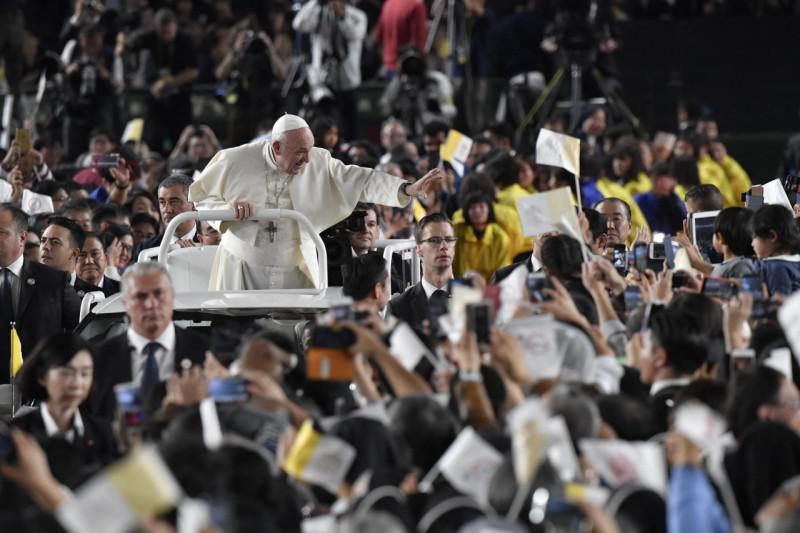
x: 287, y: 123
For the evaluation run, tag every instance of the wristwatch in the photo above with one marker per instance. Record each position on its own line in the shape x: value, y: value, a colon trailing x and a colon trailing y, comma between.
x: 470, y: 376
x: 404, y: 188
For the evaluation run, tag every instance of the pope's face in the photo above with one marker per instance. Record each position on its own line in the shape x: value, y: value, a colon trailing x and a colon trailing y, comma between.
x: 292, y: 153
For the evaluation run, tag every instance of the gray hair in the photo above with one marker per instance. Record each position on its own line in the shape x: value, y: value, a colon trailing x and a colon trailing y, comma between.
x: 142, y: 269
x: 175, y: 180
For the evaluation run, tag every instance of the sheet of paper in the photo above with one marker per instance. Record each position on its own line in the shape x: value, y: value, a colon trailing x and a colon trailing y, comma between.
x: 455, y: 150
x: 6, y: 190
x: 558, y: 150
x: 545, y: 212
x: 35, y: 203
x: 537, y: 337
x: 407, y: 347
x: 775, y: 194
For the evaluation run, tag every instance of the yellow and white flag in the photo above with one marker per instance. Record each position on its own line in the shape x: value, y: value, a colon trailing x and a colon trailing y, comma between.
x: 558, y: 150
x: 455, y: 150
x: 16, y: 353
x: 133, y: 130
x: 319, y: 459
x: 137, y: 487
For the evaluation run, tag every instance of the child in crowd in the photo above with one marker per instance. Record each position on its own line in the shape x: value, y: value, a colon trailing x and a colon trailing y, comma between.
x: 733, y: 233
x: 776, y: 241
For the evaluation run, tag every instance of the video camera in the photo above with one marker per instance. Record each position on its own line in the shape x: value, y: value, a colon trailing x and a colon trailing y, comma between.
x: 337, y: 238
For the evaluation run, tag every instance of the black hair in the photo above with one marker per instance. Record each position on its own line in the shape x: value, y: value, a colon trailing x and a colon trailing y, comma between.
x: 696, y: 139
x: 50, y: 187
x: 662, y: 168
x: 629, y: 149
x: 620, y: 201
x: 76, y: 233
x: 713, y: 394
x: 140, y: 193
x: 74, y: 206
x: 119, y: 231
x: 54, y: 351
x: 707, y: 317
x: 685, y: 344
x: 177, y: 179
x: 598, y: 223
x: 561, y: 255
x: 106, y: 213
x: 685, y: 171
x: 500, y: 129
x: 630, y: 419
x: 435, y: 127
x: 362, y: 273
x: 779, y: 220
x: 424, y: 427
x: 433, y: 218
x: 18, y: 217
x: 503, y: 169
x: 364, y: 206
x: 144, y: 218
x: 476, y: 181
x: 638, y: 509
x: 735, y: 224
x: 320, y: 127
x: 752, y: 388
x: 706, y: 196
x: 477, y: 197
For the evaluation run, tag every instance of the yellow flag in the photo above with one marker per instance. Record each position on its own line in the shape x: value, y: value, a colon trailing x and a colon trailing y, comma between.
x: 16, y: 352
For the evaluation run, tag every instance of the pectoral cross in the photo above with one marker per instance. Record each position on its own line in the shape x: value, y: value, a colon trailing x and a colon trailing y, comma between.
x: 272, y: 229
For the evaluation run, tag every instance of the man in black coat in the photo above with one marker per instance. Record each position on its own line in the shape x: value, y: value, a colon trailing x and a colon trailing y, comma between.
x: 151, y: 350
x: 38, y: 299
x: 91, y: 267
x: 173, y: 199
x: 436, y: 245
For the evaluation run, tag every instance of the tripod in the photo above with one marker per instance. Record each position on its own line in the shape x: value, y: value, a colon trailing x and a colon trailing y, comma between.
x: 575, y: 63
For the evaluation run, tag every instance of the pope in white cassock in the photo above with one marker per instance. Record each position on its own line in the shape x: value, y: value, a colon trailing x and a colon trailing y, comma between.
x: 287, y: 172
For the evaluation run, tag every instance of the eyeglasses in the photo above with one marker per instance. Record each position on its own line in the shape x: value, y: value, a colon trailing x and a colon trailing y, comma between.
x: 437, y: 241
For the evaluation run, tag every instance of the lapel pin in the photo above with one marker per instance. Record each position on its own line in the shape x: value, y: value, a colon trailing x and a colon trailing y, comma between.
x: 31, y: 281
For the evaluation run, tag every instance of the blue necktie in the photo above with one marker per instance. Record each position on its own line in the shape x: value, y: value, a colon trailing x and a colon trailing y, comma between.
x: 150, y: 375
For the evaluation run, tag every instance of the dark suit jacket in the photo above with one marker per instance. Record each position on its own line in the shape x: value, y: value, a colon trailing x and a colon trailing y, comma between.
x: 110, y: 286
x: 156, y: 241
x: 47, y: 304
x: 71, y: 463
x: 411, y: 306
x: 113, y: 366
x: 502, y: 273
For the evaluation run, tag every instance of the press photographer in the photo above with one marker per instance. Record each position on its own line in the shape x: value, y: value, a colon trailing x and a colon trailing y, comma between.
x: 337, y: 32
x: 352, y: 237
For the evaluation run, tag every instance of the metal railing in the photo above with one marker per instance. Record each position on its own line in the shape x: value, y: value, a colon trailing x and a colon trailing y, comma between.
x: 391, y: 246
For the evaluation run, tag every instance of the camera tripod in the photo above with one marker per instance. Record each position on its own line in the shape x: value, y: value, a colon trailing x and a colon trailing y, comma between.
x: 575, y: 65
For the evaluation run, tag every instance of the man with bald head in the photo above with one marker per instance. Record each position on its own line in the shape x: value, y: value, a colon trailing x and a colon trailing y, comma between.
x: 286, y: 172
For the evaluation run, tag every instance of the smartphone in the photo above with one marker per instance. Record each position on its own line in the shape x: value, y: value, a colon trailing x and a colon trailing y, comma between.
x: 640, y: 255
x: 537, y: 282
x: 754, y: 286
x: 633, y: 297
x: 721, y: 288
x: 703, y: 235
x: 328, y: 357
x: 451, y: 284
x: 620, y: 258
x: 129, y: 406
x: 230, y: 389
x: 763, y: 309
x: 106, y: 161
x: 342, y: 312
x: 478, y: 320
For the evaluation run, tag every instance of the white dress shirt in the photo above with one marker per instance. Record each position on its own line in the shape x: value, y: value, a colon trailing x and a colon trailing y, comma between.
x: 51, y: 428
x: 165, y: 356
x: 430, y: 288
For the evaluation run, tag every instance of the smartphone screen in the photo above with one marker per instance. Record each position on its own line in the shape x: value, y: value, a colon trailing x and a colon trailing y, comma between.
x: 478, y: 321
x: 620, y: 257
x: 719, y: 288
x: 704, y: 236
x: 640, y: 253
x: 537, y: 282
x: 231, y: 389
x: 633, y: 297
x: 753, y: 285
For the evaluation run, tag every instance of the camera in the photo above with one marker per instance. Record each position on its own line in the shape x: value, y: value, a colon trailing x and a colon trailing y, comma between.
x: 328, y: 357
x: 337, y: 238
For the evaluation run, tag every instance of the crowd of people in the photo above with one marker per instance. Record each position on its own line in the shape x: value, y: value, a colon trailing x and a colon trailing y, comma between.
x: 627, y: 374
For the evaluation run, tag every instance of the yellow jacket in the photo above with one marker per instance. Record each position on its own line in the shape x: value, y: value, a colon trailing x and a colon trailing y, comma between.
x: 611, y: 189
x: 511, y: 194
x: 640, y: 185
x: 508, y: 219
x: 484, y: 256
x: 712, y: 173
x: 737, y: 178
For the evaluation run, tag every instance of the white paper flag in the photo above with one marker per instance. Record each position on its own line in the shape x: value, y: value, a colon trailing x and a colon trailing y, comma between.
x: 774, y: 193
x: 789, y: 318
x: 699, y: 424
x: 6, y: 190
x: 527, y: 423
x: 407, y: 347
x: 618, y: 462
x: 560, y: 451
x: 455, y: 150
x: 469, y: 464
x: 666, y: 140
x: 545, y: 212
x: 35, y: 203
x: 781, y: 360
x: 537, y: 337
x: 558, y: 150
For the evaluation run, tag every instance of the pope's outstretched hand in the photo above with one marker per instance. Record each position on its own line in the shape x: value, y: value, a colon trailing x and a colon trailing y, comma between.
x: 426, y: 184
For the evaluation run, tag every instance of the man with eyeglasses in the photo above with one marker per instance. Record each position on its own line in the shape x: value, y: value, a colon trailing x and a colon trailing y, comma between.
x: 436, y: 244
x: 92, y: 263
x: 152, y: 349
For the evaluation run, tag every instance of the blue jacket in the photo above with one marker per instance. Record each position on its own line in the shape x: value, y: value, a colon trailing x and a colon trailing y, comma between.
x: 781, y: 273
x: 692, y: 506
x: 665, y: 215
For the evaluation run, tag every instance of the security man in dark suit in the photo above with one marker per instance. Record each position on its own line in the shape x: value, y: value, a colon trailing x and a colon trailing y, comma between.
x: 173, y: 199
x: 92, y: 262
x: 436, y: 244
x: 37, y: 299
x: 60, y: 246
x: 152, y: 349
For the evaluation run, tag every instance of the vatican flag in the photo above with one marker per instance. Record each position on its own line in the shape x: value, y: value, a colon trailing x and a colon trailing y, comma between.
x: 16, y: 352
